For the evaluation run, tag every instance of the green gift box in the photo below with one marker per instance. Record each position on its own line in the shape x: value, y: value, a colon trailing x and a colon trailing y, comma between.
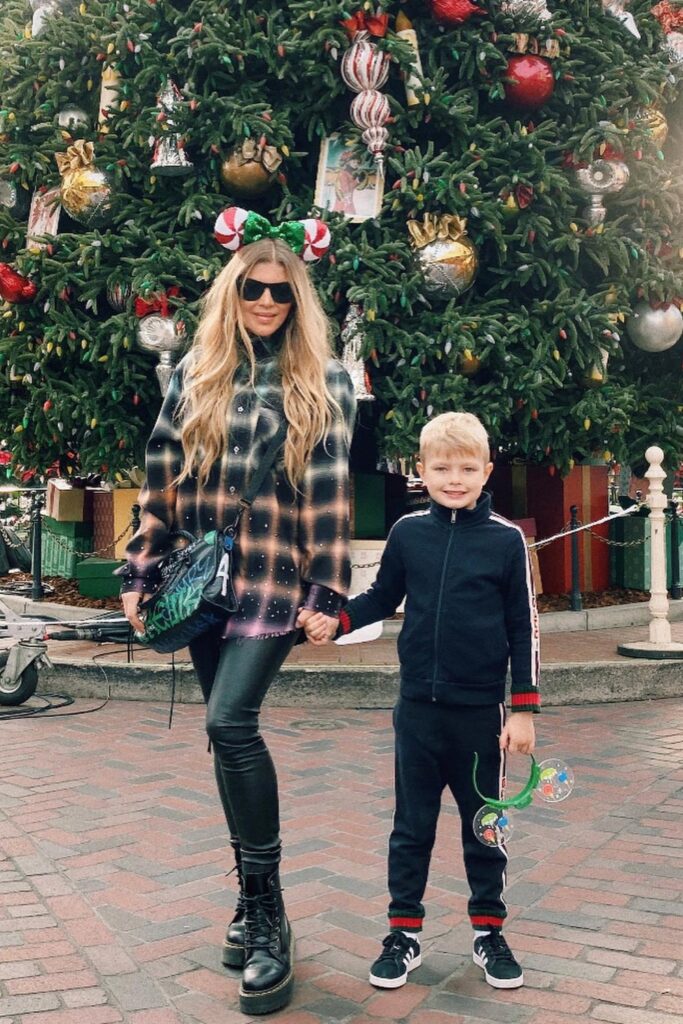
x: 61, y: 555
x: 630, y: 566
x: 66, y: 528
x: 95, y: 577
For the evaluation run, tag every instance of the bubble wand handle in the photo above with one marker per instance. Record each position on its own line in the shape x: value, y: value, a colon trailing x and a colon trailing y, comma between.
x: 521, y: 799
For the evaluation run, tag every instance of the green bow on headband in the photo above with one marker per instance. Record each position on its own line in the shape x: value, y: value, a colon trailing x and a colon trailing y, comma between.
x: 291, y: 232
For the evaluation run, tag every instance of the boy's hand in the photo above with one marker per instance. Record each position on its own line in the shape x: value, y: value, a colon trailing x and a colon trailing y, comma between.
x: 519, y: 733
x: 319, y: 628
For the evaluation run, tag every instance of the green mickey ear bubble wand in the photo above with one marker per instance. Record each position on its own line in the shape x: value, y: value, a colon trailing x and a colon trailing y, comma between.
x: 552, y: 780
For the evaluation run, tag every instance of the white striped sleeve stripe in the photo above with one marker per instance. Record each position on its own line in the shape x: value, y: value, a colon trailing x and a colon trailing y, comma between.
x: 533, y: 612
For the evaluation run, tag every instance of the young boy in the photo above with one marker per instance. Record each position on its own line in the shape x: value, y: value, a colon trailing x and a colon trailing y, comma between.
x: 470, y: 610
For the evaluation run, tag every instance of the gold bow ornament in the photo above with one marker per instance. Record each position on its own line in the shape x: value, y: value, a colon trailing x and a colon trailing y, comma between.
x: 250, y: 169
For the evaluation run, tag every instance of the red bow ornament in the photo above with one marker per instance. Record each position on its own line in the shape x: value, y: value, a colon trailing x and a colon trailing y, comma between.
x: 454, y: 12
x: 14, y: 287
x: 158, y: 303
x: 374, y: 24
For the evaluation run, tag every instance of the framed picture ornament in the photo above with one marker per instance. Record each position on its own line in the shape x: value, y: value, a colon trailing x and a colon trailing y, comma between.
x: 43, y: 217
x: 348, y: 180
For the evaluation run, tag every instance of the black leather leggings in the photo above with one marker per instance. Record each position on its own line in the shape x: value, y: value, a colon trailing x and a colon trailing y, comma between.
x: 235, y: 676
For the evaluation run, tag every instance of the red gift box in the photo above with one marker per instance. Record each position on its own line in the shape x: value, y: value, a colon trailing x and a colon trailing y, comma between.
x: 521, y: 491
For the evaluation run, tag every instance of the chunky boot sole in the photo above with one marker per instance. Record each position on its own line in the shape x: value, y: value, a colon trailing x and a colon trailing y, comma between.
x: 232, y: 956
x: 270, y: 999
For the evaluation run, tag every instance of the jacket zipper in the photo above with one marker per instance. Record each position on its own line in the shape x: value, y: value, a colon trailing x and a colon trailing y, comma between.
x: 454, y: 515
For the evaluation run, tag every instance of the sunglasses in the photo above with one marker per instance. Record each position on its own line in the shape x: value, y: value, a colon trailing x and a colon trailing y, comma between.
x: 251, y: 290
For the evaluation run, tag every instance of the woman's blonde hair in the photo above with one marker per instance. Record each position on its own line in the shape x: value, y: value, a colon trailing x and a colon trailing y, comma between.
x: 220, y: 345
x: 457, y: 431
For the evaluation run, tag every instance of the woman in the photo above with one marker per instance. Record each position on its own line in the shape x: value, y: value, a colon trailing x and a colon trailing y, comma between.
x: 261, y: 353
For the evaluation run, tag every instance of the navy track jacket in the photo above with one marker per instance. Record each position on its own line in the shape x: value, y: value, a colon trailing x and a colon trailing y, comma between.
x: 470, y: 606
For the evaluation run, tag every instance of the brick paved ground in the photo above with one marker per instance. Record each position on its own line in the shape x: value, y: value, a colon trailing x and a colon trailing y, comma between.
x: 113, y: 895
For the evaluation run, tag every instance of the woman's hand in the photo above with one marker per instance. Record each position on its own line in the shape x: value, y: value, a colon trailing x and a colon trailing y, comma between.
x: 319, y: 628
x: 131, y: 602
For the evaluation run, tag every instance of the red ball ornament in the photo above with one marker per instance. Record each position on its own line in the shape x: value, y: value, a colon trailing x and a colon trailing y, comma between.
x: 454, y: 12
x: 532, y: 82
x: 14, y: 287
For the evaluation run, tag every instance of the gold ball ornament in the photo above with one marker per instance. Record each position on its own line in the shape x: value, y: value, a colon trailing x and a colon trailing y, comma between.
x: 250, y: 169
x: 469, y: 364
x: 654, y: 120
x: 86, y: 192
x: 448, y: 258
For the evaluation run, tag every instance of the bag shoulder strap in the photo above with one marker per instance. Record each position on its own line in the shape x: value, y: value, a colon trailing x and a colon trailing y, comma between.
x: 260, y: 474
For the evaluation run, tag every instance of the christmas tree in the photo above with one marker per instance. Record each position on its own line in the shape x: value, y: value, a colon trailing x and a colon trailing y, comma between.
x: 522, y: 260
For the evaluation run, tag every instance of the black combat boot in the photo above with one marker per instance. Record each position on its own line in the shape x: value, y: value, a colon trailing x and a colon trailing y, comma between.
x: 268, y: 978
x: 233, y: 943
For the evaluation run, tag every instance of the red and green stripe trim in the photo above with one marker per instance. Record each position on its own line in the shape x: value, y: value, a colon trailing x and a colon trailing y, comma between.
x: 525, y: 700
x: 486, y: 921
x: 413, y: 923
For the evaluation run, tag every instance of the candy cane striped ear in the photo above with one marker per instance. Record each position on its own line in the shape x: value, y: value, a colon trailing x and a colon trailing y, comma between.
x: 317, y: 239
x: 229, y: 227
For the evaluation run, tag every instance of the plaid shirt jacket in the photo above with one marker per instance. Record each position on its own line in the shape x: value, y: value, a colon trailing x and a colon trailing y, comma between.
x: 293, y: 548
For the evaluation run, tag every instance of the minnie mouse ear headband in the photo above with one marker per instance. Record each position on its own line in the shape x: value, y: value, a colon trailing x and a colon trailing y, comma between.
x: 236, y: 227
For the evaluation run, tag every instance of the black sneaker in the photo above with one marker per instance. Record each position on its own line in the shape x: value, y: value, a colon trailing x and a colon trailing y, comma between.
x: 399, y: 956
x: 492, y: 953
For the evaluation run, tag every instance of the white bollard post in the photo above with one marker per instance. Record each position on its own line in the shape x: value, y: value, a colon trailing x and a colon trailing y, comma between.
x: 660, y: 644
x: 660, y: 628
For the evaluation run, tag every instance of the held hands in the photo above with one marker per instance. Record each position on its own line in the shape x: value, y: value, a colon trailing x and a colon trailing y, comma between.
x: 519, y: 734
x: 131, y: 602
x: 319, y: 628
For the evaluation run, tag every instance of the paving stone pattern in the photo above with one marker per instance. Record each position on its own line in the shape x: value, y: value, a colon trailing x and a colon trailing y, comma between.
x: 114, y: 894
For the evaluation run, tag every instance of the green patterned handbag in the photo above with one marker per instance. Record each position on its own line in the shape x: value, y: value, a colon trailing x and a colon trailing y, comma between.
x: 196, y: 591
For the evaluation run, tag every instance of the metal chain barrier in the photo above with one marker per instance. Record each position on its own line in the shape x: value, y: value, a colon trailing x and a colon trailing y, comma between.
x: 567, y: 530
x: 7, y: 542
x: 87, y: 554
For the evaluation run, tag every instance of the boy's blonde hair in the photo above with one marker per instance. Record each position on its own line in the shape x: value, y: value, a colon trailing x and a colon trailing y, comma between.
x: 459, y: 431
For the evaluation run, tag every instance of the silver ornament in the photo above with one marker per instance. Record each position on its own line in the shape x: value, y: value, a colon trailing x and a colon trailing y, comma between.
x: 352, y: 359
x: 14, y: 199
x: 617, y: 8
x: 654, y: 330
x: 673, y: 47
x: 599, y: 179
x: 531, y: 9
x: 44, y: 11
x: 161, y: 334
x: 169, y: 159
x: 72, y: 118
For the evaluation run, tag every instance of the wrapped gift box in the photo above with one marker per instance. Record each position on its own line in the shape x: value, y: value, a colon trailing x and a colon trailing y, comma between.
x: 61, y: 555
x: 529, y: 528
x: 523, y: 491
x: 123, y: 499
x: 95, y: 577
x: 377, y: 501
x: 64, y: 502
x: 630, y: 566
x: 103, y: 522
x: 72, y: 529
